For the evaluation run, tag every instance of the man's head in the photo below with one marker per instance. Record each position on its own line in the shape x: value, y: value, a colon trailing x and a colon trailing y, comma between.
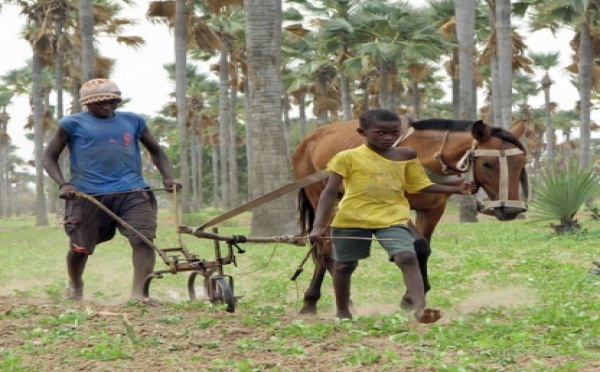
x: 102, y: 97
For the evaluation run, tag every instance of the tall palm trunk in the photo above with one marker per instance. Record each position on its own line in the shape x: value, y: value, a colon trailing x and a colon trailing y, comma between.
x: 224, y: 124
x: 234, y: 192
x: 41, y: 217
x: 504, y: 44
x: 546, y: 83
x: 181, y: 98
x: 346, y: 102
x: 586, y: 53
x: 86, y: 27
x: 194, y: 207
x: 465, y: 31
x: 271, y: 165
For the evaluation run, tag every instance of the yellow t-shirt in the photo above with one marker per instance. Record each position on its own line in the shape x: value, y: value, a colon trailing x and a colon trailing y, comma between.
x: 374, y: 188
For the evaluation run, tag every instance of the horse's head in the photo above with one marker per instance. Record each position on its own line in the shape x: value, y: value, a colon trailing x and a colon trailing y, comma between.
x: 498, y: 162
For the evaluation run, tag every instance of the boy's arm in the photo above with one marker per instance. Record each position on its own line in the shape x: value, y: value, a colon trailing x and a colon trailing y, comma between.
x: 326, y: 200
x: 466, y: 188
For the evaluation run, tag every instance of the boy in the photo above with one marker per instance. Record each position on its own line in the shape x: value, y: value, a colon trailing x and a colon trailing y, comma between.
x: 375, y: 176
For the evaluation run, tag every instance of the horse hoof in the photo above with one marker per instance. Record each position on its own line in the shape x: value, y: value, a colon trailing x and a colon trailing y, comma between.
x: 308, y: 310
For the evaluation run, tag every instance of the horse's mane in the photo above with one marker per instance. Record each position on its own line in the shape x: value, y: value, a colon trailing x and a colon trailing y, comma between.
x: 464, y: 126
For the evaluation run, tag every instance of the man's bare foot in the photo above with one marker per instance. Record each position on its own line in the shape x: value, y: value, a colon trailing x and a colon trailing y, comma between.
x: 428, y: 316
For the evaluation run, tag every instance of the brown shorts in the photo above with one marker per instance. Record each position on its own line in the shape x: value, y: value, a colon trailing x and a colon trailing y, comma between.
x: 87, y: 225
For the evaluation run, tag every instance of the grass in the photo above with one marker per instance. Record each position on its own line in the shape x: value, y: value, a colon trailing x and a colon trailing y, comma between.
x: 515, y: 297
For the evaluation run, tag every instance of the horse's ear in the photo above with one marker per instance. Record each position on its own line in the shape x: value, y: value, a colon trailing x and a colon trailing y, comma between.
x: 518, y: 128
x: 480, y: 131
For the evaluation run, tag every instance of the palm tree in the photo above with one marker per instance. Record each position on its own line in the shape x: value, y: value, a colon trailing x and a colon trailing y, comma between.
x: 86, y: 31
x: 503, y: 33
x: 5, y: 99
x: 582, y: 17
x: 465, y: 30
x: 270, y: 163
x: 546, y: 61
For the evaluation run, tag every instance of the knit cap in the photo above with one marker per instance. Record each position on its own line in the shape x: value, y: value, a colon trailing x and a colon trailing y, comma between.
x: 98, y: 90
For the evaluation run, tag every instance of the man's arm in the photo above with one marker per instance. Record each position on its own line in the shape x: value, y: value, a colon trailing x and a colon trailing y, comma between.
x: 50, y: 163
x: 159, y: 158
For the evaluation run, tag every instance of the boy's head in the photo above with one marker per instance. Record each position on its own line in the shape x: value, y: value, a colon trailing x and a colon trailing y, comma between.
x: 99, y: 90
x: 368, y: 118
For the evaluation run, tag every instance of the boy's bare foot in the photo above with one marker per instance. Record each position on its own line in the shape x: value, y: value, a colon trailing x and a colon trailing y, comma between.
x: 428, y: 316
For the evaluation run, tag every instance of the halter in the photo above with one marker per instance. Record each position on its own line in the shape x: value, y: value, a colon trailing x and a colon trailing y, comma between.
x: 466, y: 164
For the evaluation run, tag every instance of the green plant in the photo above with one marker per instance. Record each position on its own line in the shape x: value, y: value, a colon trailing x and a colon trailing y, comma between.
x: 561, y: 193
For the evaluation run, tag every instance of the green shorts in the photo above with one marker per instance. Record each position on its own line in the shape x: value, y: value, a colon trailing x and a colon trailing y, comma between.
x: 87, y: 225
x: 394, y: 239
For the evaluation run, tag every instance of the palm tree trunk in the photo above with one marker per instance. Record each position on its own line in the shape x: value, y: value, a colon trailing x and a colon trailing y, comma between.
x: 302, y: 115
x: 234, y: 192
x: 215, y: 169
x: 86, y: 26
x: 586, y: 53
x: 194, y: 161
x: 247, y: 127
x: 41, y: 217
x: 465, y: 31
x: 346, y: 103
x: 224, y: 124
x: 181, y: 98
x: 546, y: 83
x: 271, y: 166
x: 504, y: 43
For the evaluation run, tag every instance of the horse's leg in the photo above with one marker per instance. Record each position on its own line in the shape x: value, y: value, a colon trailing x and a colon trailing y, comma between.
x: 313, y: 292
x: 323, y: 263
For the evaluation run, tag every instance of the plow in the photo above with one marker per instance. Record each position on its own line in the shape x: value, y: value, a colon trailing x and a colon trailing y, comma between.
x: 209, y: 274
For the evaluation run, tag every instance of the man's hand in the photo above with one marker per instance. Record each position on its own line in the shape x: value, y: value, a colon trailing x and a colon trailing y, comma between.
x: 67, y: 192
x: 172, y: 185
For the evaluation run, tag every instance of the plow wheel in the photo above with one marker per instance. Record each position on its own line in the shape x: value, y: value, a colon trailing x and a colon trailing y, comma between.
x: 220, y: 292
x: 217, y: 289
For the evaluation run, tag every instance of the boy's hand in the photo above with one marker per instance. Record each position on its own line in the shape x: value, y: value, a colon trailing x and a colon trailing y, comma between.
x: 316, y: 235
x: 469, y: 188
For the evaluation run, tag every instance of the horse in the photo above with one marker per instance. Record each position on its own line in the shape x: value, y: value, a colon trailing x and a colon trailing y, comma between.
x: 448, y: 149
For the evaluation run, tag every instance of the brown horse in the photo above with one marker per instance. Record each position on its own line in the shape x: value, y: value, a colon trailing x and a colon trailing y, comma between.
x: 493, y: 157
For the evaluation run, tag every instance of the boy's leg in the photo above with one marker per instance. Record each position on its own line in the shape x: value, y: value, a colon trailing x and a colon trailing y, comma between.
x: 341, y: 284
x: 407, y: 262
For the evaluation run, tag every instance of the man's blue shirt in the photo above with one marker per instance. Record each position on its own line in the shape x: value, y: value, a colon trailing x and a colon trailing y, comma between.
x: 105, y: 153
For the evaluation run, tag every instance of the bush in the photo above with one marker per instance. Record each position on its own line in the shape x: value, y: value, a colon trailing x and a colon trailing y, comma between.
x: 561, y: 193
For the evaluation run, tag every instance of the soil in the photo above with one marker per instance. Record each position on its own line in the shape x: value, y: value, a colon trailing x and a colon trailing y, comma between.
x: 167, y: 338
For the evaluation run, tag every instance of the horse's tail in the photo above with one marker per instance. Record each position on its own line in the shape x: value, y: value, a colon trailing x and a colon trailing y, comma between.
x: 307, y: 213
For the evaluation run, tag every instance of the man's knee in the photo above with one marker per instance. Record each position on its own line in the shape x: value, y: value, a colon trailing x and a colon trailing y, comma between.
x: 346, y: 267
x: 405, y: 258
x: 139, y: 243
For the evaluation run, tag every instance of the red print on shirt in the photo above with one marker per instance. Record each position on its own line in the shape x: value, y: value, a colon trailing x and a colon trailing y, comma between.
x: 112, y: 141
x: 126, y: 139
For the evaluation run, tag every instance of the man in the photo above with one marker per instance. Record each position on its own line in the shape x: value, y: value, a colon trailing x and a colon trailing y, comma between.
x: 105, y: 162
